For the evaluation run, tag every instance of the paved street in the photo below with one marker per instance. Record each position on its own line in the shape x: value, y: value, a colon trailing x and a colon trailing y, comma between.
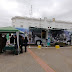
x: 38, y: 60
x: 58, y: 59
x: 19, y: 63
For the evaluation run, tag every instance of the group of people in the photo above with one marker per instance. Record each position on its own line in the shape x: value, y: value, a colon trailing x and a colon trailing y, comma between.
x: 13, y: 39
x: 22, y: 42
x: 3, y: 41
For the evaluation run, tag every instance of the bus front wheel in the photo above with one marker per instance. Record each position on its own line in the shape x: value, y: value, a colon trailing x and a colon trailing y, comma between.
x: 38, y: 42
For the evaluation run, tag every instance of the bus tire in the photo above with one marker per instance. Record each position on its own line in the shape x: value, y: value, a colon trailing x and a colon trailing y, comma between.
x: 38, y: 42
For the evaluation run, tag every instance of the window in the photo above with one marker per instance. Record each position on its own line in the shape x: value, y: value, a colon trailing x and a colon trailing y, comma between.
x: 21, y: 26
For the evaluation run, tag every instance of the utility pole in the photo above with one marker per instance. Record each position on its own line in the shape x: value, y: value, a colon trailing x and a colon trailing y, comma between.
x: 31, y: 12
x: 40, y: 23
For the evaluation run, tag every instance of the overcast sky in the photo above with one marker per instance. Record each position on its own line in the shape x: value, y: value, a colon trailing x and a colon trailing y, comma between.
x: 59, y: 9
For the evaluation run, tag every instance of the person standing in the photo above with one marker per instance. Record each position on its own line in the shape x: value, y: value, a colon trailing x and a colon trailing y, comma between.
x: 12, y: 40
x: 25, y: 42
x: 21, y: 43
x: 1, y: 43
x: 4, y: 40
x: 48, y: 43
x: 15, y: 40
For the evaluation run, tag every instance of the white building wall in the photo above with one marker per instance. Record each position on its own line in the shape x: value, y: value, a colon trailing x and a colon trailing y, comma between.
x: 44, y: 23
x: 26, y: 23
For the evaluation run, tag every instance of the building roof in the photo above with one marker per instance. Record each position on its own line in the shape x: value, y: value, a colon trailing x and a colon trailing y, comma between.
x: 19, y: 17
x: 38, y: 19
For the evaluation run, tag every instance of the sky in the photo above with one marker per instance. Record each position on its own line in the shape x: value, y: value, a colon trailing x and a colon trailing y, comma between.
x: 58, y: 9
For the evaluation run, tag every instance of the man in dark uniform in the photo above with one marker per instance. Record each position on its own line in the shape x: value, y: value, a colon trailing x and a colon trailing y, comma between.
x: 4, y: 40
x: 21, y: 43
x: 25, y: 42
x: 12, y: 39
x: 15, y: 40
x: 1, y: 43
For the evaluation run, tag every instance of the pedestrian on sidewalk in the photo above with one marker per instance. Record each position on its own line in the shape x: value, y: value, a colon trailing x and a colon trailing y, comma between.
x: 21, y: 43
x: 25, y: 42
x: 12, y: 40
x: 4, y: 40
x: 1, y: 43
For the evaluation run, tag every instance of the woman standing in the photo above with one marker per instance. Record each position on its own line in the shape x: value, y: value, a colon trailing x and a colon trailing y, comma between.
x: 25, y: 42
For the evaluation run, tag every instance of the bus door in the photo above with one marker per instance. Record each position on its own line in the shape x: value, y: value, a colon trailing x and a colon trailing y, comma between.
x: 43, y: 34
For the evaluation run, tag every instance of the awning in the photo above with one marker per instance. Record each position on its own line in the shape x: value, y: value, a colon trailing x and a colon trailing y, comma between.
x: 8, y: 30
x: 23, y: 29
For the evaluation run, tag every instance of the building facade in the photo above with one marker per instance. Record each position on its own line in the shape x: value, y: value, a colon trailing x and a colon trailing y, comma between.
x: 25, y: 22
